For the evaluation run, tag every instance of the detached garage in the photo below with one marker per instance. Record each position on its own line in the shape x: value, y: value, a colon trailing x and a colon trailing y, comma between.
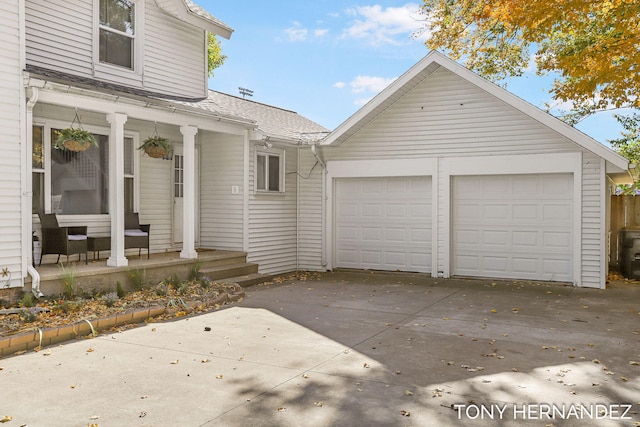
x: 446, y: 173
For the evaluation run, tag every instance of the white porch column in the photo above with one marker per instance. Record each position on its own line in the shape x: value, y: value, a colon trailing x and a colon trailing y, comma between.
x: 116, y: 189
x: 189, y: 196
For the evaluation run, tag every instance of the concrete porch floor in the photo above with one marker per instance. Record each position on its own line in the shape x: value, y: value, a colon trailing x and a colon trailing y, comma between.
x: 96, y: 275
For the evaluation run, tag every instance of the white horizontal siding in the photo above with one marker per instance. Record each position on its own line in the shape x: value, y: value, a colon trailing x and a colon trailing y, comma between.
x: 592, y: 232
x: 174, y: 55
x: 10, y: 138
x: 222, y: 167
x: 309, y: 213
x: 273, y: 222
x: 446, y: 115
x: 60, y: 33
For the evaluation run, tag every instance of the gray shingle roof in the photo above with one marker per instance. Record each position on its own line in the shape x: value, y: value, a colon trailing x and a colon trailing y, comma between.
x: 273, y: 121
x: 201, y: 12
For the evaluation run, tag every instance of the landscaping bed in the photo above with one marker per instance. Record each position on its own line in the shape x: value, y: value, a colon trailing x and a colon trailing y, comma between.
x: 34, y: 323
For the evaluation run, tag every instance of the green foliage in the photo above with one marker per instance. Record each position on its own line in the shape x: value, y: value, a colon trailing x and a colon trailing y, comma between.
x: 137, y: 278
x: 194, y: 271
x: 156, y: 141
x: 174, y: 281
x: 27, y: 300
x: 590, y: 46
x: 215, y: 58
x: 629, y: 146
x: 68, y: 282
x: 74, y: 134
x: 120, y: 290
x: 29, y: 316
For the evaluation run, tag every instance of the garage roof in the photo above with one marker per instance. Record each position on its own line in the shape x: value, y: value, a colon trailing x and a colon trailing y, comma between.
x: 616, y: 164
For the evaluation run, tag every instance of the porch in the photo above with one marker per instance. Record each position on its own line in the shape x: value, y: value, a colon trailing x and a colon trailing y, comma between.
x: 218, y: 265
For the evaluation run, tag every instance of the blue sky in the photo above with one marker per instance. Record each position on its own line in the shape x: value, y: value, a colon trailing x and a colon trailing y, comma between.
x: 325, y: 59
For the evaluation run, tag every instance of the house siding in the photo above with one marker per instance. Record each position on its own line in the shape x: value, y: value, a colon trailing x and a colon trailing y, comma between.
x: 174, y: 60
x: 11, y: 101
x: 446, y: 116
x: 221, y: 211
x: 310, y: 213
x: 273, y: 221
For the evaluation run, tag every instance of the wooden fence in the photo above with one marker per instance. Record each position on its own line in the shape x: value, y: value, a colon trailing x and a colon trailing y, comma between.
x: 625, y: 212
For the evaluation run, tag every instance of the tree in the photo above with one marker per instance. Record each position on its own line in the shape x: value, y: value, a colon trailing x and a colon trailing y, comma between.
x: 629, y: 145
x: 592, y: 46
x: 215, y: 58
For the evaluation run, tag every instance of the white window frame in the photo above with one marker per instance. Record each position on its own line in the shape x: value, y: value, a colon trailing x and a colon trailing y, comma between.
x: 269, y: 152
x: 112, y: 72
x: 98, y: 130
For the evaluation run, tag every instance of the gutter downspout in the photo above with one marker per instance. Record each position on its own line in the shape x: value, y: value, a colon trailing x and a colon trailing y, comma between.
x: 324, y: 205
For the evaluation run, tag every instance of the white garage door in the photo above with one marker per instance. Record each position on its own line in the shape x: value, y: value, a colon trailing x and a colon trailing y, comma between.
x: 515, y: 226
x: 383, y: 223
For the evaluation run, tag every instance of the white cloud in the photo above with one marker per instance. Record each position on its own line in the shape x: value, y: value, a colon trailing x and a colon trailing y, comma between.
x: 320, y: 32
x: 384, y: 25
x: 339, y: 85
x: 296, y: 33
x: 369, y: 84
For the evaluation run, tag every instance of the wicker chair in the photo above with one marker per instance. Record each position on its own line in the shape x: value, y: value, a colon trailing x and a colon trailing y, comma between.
x: 136, y: 235
x: 58, y: 240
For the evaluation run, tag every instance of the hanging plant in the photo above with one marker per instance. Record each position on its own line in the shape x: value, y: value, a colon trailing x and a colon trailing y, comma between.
x: 75, y: 138
x: 156, y: 146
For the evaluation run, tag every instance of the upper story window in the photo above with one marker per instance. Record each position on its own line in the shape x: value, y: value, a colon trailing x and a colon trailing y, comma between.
x: 117, y: 33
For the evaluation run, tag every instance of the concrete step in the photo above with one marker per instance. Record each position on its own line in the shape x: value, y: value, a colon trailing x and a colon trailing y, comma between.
x: 250, y: 279
x: 230, y: 270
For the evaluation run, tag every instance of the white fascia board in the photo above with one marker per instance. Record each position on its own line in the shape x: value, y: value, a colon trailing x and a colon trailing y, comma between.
x: 182, y: 11
x: 139, y: 110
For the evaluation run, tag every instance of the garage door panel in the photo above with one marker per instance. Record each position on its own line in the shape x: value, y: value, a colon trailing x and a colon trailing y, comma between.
x: 391, y: 227
x: 520, y: 227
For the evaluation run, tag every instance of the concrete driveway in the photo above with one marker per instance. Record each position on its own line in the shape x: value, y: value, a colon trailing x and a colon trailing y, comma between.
x: 352, y: 349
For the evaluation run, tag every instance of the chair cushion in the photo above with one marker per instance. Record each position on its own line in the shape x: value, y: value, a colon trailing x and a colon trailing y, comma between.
x: 77, y: 237
x: 135, y: 233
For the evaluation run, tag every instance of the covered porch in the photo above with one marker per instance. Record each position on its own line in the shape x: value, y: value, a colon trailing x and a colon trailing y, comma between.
x: 164, y: 193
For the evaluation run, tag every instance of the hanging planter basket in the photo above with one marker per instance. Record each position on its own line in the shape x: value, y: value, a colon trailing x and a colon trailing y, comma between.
x: 156, y: 146
x: 75, y: 138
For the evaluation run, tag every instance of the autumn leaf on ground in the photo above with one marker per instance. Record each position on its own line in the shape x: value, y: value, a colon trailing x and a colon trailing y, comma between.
x: 175, y: 362
x: 6, y: 419
x: 493, y: 310
x: 408, y: 393
x: 631, y: 362
x: 205, y: 361
x: 366, y: 365
x: 405, y: 413
x: 282, y: 409
x: 219, y: 377
x: 319, y: 403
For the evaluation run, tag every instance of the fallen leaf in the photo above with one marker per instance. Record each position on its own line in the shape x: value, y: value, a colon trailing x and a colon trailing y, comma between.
x: 90, y: 350
x: 319, y: 403
x: 305, y: 376
x: 625, y: 379
x: 205, y: 361
x: 281, y: 409
x: 405, y: 413
x: 596, y: 361
x: 515, y: 309
x: 175, y: 362
x: 6, y: 419
x: 631, y: 362
x: 515, y: 370
x: 73, y: 386
x: 366, y: 365
x: 493, y: 310
x: 219, y: 377
x: 408, y: 393
x: 94, y: 417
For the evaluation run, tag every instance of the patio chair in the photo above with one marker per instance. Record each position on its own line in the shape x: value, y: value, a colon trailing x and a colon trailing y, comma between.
x: 136, y: 235
x: 62, y: 240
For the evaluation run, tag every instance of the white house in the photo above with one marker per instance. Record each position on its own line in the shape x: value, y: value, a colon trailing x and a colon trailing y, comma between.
x: 448, y: 174
x: 442, y: 173
x: 129, y: 69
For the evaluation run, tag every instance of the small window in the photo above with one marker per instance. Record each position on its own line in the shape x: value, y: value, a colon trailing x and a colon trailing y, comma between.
x: 117, y: 32
x: 270, y: 171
